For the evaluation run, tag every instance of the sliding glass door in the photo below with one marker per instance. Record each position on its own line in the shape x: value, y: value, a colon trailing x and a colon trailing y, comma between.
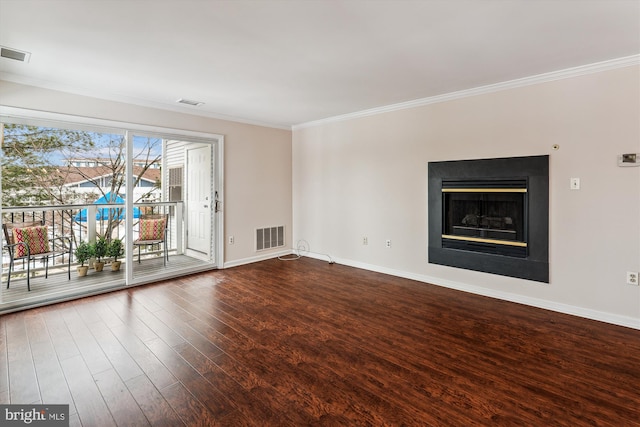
x: 144, y: 203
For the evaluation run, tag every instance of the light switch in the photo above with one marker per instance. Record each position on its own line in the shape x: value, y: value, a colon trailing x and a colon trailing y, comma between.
x: 575, y: 184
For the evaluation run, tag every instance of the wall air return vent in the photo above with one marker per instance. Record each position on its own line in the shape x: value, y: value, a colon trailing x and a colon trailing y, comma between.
x: 175, y: 175
x: 18, y: 55
x: 175, y: 183
x: 269, y: 238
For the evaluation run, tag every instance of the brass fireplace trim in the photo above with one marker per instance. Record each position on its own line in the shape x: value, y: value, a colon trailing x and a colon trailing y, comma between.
x: 484, y: 190
x: 481, y: 240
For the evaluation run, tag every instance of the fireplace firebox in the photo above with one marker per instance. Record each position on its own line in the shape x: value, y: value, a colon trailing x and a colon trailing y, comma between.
x: 485, y: 216
x: 491, y: 215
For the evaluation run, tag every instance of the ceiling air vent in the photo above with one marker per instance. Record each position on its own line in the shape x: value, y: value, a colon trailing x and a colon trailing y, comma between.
x: 18, y: 55
x: 189, y: 102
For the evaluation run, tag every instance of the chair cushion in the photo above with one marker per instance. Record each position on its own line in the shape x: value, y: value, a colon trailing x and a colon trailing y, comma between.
x: 37, y: 238
x: 152, y: 229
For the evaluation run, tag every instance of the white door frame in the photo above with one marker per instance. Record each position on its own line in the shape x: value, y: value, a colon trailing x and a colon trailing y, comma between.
x: 217, y: 212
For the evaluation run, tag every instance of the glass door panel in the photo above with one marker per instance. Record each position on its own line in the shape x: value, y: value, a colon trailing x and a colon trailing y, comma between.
x: 68, y: 183
x: 172, y: 228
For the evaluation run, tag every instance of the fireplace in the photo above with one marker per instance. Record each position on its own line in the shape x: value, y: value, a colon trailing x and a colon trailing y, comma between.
x: 490, y: 215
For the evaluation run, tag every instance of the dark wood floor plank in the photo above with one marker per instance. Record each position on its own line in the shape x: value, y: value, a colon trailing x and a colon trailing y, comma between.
x: 140, y: 298
x: 189, y: 409
x: 4, y: 365
x: 155, y: 371
x: 51, y: 380
x: 90, y: 406
x: 155, y: 300
x: 117, y: 355
x: 62, y: 340
x: 190, y: 336
x: 204, y: 392
x: 242, y: 397
x: 125, y: 308
x: 154, y: 406
x: 86, y: 343
x: 23, y: 382
x: 123, y: 407
x: 101, y: 307
x: 139, y: 314
x: 179, y: 367
x: 87, y: 312
x: 355, y: 361
x: 307, y: 343
x: 279, y: 373
x: 282, y: 370
x: 74, y: 420
x: 207, y: 392
x: 296, y: 358
x: 252, y: 410
x: 408, y: 350
x: 275, y: 385
x: 445, y: 323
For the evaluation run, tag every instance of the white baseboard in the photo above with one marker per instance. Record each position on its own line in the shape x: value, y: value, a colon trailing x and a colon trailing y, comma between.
x: 630, y: 322
x: 257, y: 258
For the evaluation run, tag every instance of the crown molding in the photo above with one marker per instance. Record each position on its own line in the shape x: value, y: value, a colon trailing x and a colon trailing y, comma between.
x: 511, y: 84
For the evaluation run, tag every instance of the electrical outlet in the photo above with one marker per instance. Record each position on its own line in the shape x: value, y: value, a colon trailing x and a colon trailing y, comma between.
x: 231, y: 240
x: 365, y: 240
x: 387, y: 243
x: 632, y: 278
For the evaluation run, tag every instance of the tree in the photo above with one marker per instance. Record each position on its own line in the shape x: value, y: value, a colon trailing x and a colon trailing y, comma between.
x: 112, y: 167
x: 112, y: 163
x: 31, y: 173
x: 39, y: 162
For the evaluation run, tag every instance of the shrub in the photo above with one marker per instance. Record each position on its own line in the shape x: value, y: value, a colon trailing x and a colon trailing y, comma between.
x: 115, y: 249
x: 84, y: 251
x: 100, y: 248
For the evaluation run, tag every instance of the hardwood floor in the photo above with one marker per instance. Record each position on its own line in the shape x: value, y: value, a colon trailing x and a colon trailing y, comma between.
x: 308, y: 343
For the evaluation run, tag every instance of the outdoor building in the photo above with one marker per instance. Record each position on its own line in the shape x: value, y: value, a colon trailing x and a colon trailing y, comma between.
x: 88, y: 179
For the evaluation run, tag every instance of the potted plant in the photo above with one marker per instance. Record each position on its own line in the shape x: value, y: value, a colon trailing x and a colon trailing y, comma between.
x: 83, y: 252
x: 100, y: 251
x: 115, y: 250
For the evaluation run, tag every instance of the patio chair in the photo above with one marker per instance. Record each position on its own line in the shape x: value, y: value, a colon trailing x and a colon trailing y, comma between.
x: 152, y: 230
x: 29, y: 241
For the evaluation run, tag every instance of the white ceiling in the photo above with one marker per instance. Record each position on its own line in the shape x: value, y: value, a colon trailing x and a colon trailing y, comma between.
x: 282, y: 63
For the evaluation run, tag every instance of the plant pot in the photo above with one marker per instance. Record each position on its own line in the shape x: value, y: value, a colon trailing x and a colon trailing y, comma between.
x: 98, y: 265
x: 82, y: 270
x: 115, y: 265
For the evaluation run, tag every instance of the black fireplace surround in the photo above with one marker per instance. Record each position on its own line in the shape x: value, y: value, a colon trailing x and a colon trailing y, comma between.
x: 491, y: 215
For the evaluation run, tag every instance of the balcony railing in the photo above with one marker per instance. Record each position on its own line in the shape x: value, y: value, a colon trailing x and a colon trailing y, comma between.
x: 87, y: 222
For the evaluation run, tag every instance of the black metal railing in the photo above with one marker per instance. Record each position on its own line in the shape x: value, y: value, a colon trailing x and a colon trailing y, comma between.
x: 87, y: 222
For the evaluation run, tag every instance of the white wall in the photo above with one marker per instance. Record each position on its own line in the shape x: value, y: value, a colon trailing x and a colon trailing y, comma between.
x: 257, y: 161
x: 367, y: 176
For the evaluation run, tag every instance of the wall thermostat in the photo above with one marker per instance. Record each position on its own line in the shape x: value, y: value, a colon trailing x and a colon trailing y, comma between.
x: 630, y: 159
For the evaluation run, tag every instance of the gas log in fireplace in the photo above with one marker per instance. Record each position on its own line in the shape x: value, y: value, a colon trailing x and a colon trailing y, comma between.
x: 485, y: 215
x: 491, y: 215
